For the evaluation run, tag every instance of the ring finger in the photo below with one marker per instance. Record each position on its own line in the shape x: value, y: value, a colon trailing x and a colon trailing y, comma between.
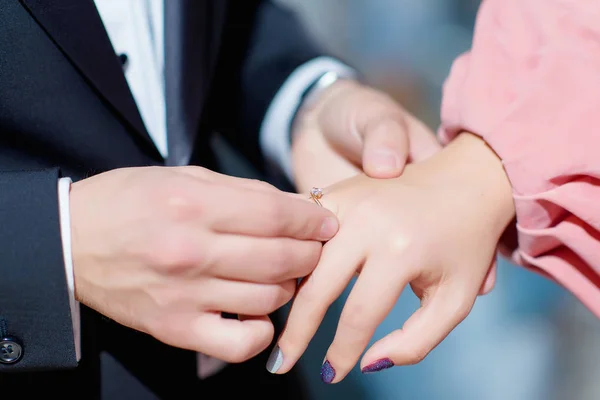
x: 333, y: 273
x: 372, y: 298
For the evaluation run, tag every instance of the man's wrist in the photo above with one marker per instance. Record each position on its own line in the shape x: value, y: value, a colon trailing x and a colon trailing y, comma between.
x: 275, y: 134
x: 323, y: 89
x: 310, y: 109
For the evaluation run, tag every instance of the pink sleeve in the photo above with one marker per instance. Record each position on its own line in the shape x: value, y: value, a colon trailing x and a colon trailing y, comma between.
x: 530, y: 87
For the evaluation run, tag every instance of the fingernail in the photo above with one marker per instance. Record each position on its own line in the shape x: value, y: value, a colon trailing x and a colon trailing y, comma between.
x: 327, y: 372
x: 275, y: 360
x: 383, y: 159
x: 329, y: 228
x: 378, y: 365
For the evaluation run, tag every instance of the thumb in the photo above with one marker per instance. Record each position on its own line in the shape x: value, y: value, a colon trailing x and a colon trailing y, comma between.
x: 385, y: 148
x: 423, y: 141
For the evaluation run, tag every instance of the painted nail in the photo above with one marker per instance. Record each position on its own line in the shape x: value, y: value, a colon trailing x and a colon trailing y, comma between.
x: 327, y: 372
x: 275, y: 360
x: 378, y: 365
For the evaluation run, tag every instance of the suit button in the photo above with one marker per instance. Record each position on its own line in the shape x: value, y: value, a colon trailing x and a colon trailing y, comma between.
x: 10, y: 350
x: 124, y: 60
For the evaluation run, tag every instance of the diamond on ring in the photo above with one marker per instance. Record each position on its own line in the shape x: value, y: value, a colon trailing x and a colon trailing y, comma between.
x: 315, y: 194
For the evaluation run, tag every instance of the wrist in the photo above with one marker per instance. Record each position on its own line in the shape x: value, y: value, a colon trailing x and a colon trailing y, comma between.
x: 314, y: 160
x: 317, y: 99
x: 328, y: 83
x: 469, y: 164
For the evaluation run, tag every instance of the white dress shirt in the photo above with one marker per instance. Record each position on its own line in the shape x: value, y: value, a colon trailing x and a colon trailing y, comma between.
x: 136, y: 29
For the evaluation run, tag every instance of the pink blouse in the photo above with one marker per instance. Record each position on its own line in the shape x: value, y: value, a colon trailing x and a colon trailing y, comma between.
x: 530, y: 87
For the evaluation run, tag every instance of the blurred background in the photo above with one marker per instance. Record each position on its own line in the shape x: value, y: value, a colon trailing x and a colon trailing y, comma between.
x: 528, y: 339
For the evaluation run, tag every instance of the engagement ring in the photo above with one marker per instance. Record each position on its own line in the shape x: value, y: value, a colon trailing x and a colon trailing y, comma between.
x: 316, y: 194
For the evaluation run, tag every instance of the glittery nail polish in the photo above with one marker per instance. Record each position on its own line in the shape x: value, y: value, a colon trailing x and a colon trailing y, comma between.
x: 327, y: 372
x: 378, y: 365
x: 275, y: 360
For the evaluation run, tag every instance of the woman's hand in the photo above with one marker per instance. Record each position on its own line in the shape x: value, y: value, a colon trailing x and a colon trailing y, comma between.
x: 435, y: 228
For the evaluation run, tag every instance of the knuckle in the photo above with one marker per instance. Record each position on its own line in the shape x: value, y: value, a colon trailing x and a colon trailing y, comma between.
x: 366, y: 210
x: 280, y: 264
x: 175, y: 200
x: 164, y: 329
x: 268, y: 302
x: 287, y: 291
x: 398, y: 245
x: 308, y: 227
x: 175, y: 252
x: 242, y: 348
x: 276, y: 215
x: 314, y: 296
x: 306, y: 295
x: 312, y: 303
x: 386, y: 117
x: 142, y: 322
x: 274, y: 297
x: 461, y: 307
x: 160, y: 327
x: 284, y: 220
x: 416, y: 354
x: 291, y: 343
x: 163, y: 298
x: 352, y: 319
x: 177, y: 205
x: 238, y: 352
x: 155, y: 327
x: 344, y: 357
x: 262, y: 185
x: 295, y: 261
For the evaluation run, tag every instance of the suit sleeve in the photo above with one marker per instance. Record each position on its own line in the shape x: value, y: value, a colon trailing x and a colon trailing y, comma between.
x: 263, y: 44
x: 34, y: 301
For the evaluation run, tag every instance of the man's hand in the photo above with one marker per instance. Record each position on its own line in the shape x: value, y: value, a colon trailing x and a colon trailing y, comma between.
x: 167, y: 250
x: 352, y: 127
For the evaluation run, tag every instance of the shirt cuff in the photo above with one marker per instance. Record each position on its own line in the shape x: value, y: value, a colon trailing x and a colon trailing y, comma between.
x: 275, y: 140
x: 64, y: 188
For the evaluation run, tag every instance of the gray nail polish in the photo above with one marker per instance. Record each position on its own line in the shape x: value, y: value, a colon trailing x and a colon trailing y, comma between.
x: 275, y: 360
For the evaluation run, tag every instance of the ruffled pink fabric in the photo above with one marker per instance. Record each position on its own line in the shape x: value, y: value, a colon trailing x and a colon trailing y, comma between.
x: 530, y: 87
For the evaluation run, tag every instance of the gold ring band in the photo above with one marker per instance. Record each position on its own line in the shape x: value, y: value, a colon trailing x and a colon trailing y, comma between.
x: 316, y: 194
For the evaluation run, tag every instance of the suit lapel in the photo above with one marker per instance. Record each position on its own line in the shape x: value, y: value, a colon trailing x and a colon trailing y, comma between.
x: 192, y: 33
x: 77, y: 29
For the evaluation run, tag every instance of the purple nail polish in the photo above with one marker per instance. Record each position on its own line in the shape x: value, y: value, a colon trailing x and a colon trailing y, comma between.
x: 378, y: 365
x: 327, y: 372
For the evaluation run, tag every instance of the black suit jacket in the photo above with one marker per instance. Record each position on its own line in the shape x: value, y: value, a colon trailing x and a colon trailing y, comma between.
x: 66, y: 110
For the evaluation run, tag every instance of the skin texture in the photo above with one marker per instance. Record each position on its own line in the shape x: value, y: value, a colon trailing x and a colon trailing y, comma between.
x: 434, y: 229
x: 352, y: 129
x: 166, y: 250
